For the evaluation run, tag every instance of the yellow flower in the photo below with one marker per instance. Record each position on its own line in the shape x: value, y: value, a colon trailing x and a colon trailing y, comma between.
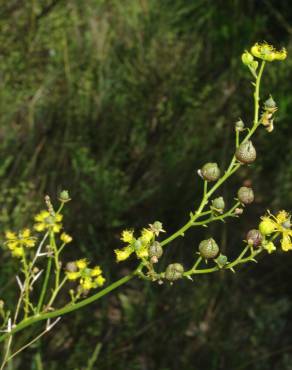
x: 86, y: 283
x: 22, y: 239
x: 267, y: 52
x: 127, y: 236
x: 46, y: 221
x: 72, y: 275
x: 82, y: 263
x: 123, y: 254
x: 96, y: 271
x: 66, y: 238
x: 100, y: 280
x: 269, y: 247
x: 282, y: 225
x: 146, y: 236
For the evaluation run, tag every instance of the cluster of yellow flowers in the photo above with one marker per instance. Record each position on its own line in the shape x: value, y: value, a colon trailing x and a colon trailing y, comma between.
x: 279, y: 224
x: 141, y: 245
x: 16, y: 243
x: 267, y: 52
x: 89, y: 278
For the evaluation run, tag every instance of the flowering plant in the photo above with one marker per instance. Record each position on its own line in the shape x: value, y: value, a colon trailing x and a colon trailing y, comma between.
x: 39, y: 288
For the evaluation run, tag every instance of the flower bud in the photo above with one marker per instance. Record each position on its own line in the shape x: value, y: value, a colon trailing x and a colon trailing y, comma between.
x: 245, y: 195
x: 270, y: 105
x: 246, y: 152
x: 246, y: 58
x: 71, y: 267
x: 208, y: 248
x: 64, y: 196
x: 239, y: 125
x: 254, y: 238
x: 174, y: 271
x: 210, y: 172
x: 218, y: 204
x: 267, y: 226
x: 221, y: 260
x: 269, y: 247
x: 155, y: 250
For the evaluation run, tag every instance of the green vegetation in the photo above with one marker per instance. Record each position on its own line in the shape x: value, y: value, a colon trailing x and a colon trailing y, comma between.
x: 121, y: 102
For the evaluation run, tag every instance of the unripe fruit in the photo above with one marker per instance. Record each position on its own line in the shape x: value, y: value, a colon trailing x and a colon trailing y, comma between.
x: 174, y: 271
x: 254, y: 237
x: 210, y: 172
x: 155, y: 250
x: 221, y: 260
x: 218, y: 203
x: 246, y: 152
x: 267, y: 226
x: 208, y: 248
x: 245, y: 195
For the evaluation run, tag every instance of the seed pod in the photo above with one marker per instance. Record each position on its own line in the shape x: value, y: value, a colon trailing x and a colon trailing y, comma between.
x: 254, y: 237
x: 218, y: 203
x: 208, y: 248
x: 155, y: 250
x: 174, y: 271
x: 210, y: 172
x: 245, y: 195
x: 246, y: 152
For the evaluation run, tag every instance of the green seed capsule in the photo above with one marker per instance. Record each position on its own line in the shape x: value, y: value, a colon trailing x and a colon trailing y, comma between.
x: 155, y: 250
x: 210, y: 172
x: 208, y: 248
x: 246, y: 153
x: 245, y: 195
x: 218, y: 203
x: 174, y: 271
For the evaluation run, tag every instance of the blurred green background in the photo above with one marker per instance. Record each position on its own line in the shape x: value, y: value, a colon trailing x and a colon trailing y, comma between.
x: 120, y: 102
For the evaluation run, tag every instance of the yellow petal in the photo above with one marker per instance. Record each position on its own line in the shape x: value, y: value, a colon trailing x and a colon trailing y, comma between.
x: 100, y: 280
x: 41, y: 216
x: 40, y: 227
x: 282, y: 216
x: 25, y: 233
x: 72, y: 275
x: 10, y: 235
x: 123, y: 254
x: 58, y: 217
x: 57, y: 228
x: 17, y: 252
x: 127, y: 236
x: 96, y: 271
x: 12, y: 245
x: 29, y: 242
x: 286, y: 243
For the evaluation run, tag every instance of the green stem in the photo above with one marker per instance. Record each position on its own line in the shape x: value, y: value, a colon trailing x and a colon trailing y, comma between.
x: 45, y: 284
x: 69, y: 308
